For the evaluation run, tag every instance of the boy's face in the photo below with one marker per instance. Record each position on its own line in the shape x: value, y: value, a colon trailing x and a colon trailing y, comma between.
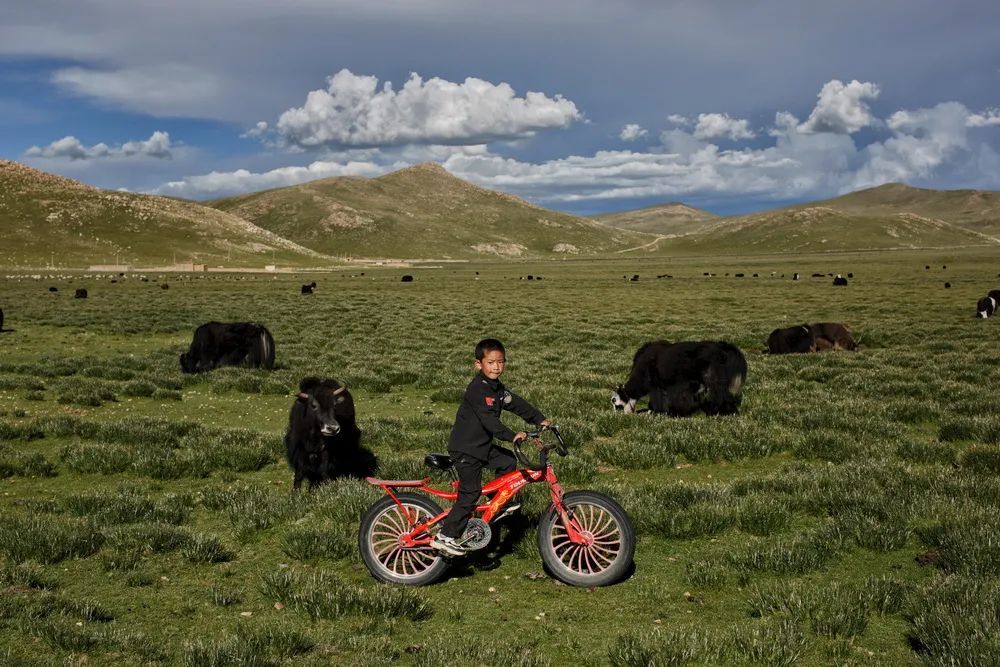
x: 492, y: 364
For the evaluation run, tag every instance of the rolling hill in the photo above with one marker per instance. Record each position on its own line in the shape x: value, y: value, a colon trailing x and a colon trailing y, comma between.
x: 815, y: 228
x: 421, y: 212
x: 671, y: 219
x: 975, y: 210
x: 47, y: 218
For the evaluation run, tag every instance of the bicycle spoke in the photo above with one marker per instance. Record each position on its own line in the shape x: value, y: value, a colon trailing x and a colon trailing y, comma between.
x: 603, y: 533
x: 385, y: 543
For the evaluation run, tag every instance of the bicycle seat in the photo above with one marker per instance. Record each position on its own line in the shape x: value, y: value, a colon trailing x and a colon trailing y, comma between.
x: 439, y: 461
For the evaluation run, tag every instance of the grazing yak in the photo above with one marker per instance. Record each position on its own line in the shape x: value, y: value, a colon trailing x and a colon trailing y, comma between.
x: 81, y: 293
x: 1, y: 319
x: 323, y: 440
x: 811, y: 338
x: 229, y: 344
x: 988, y: 305
x: 307, y: 289
x: 792, y: 340
x: 682, y: 378
x: 833, y: 336
x: 840, y: 281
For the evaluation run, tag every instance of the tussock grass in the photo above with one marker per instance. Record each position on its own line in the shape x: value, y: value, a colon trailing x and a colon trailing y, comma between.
x: 984, y: 459
x: 21, y: 382
x: 92, y: 393
x: 666, y: 646
x: 966, y: 543
x: 252, y: 508
x: 225, y: 597
x: 778, y: 643
x: 28, y: 574
x: 255, y: 647
x: 329, y: 540
x: 160, y: 450
x: 954, y: 621
x: 323, y: 595
x: 129, y: 505
x: 47, y: 539
x: 25, y: 432
x: 927, y: 452
x: 24, y: 464
x: 203, y: 548
x: 36, y: 605
x: 444, y: 650
x: 153, y: 538
x: 807, y: 551
x: 763, y: 515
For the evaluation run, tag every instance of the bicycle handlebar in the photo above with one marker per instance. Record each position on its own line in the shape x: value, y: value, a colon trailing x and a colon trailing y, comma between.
x: 543, y: 454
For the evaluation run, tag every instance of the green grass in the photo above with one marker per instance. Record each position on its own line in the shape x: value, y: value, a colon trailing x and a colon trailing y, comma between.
x: 847, y: 515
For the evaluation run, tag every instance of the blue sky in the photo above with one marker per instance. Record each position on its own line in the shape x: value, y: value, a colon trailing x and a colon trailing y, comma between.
x: 579, y: 105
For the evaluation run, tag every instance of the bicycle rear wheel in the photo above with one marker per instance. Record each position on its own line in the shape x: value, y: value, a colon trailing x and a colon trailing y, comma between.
x: 607, y: 555
x: 387, y: 559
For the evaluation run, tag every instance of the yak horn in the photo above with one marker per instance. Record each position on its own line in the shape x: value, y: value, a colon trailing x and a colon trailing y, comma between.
x: 302, y: 396
x: 339, y: 391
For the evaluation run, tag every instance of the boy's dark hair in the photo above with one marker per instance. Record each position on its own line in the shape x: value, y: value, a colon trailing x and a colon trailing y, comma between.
x: 488, y: 345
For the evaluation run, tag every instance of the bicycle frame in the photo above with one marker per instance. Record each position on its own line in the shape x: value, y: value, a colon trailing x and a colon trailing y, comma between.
x: 499, y: 491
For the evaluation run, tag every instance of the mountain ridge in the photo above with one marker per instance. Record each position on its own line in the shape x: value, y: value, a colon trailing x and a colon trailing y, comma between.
x: 425, y: 212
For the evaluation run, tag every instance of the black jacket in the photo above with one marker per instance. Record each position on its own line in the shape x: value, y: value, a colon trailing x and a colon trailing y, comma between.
x: 478, y: 418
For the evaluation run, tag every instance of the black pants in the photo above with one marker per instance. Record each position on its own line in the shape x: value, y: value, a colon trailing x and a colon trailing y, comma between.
x: 470, y: 485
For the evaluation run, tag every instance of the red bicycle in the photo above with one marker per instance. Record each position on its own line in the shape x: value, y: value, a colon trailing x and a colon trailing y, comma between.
x: 585, y: 538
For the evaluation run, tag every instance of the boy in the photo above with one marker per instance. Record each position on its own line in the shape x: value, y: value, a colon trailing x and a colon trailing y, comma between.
x: 471, y: 445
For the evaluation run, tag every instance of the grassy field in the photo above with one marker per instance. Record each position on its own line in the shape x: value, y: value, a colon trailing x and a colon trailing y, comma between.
x: 848, y: 515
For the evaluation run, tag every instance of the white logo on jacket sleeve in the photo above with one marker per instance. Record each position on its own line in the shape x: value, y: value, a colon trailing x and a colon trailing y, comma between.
x: 507, y: 398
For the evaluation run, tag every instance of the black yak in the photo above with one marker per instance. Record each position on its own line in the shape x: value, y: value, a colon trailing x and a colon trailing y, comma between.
x: 323, y: 440
x: 229, y: 344
x: 682, y: 378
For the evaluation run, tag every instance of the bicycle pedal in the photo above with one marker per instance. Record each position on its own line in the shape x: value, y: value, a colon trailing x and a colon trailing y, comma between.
x: 513, y: 509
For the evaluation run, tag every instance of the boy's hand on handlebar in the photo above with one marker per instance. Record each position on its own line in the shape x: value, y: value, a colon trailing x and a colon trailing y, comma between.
x: 520, y: 437
x: 545, y: 424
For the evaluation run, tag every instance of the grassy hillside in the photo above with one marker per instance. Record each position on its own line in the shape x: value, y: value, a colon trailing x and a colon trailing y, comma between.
x: 825, y: 229
x: 671, y: 219
x: 44, y: 217
x: 422, y: 211
x: 977, y: 210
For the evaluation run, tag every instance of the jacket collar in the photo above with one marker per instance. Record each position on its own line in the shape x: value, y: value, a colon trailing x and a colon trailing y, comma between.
x: 495, y: 385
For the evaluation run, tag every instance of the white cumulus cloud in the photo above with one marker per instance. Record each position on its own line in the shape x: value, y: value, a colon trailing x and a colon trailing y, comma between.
x: 632, y: 131
x: 258, y: 131
x: 353, y: 111
x: 678, y: 119
x: 69, y: 147
x: 223, y: 184
x: 985, y: 119
x: 802, y: 163
x: 721, y: 125
x: 841, y: 108
x: 923, y: 140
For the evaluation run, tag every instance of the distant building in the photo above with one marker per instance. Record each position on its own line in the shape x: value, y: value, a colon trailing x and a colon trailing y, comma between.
x: 117, y: 268
x: 191, y: 268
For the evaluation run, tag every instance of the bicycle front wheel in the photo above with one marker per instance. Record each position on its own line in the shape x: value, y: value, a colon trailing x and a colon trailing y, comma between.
x: 605, y: 557
x: 379, y: 540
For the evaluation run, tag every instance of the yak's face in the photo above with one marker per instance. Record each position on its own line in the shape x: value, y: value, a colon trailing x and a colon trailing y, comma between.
x: 985, y: 307
x: 323, y: 405
x: 187, y: 363
x: 621, y: 401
